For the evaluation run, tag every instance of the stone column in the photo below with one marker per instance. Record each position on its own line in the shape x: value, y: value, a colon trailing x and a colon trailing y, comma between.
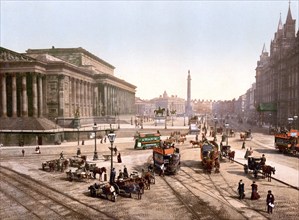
x: 84, y: 98
x: 78, y: 96
x: 4, y: 104
x: 34, y: 95
x: 24, y: 97
x: 41, y: 98
x: 74, y: 95
x: 81, y: 98
x: 14, y: 95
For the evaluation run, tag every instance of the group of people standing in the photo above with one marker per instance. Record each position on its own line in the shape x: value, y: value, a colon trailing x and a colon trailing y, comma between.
x: 255, y: 195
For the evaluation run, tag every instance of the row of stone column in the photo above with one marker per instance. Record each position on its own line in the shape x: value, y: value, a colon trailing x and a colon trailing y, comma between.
x: 81, y: 97
x: 37, y: 104
x: 117, y: 100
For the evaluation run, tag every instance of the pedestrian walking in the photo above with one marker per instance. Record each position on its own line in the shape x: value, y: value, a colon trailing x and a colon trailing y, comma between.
x: 243, y: 145
x: 270, y: 202
x: 254, y: 193
x: 23, y: 152
x: 241, y: 190
x: 126, y: 174
x: 119, y: 158
x: 61, y: 155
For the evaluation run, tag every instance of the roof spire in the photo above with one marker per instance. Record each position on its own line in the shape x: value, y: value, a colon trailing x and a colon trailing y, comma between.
x: 280, y: 27
x: 289, y: 16
x: 264, y: 49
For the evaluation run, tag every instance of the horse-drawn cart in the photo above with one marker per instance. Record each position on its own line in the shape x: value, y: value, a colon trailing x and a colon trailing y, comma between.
x: 103, y: 190
x: 55, y: 165
x: 246, y: 135
x: 79, y: 174
x: 129, y: 186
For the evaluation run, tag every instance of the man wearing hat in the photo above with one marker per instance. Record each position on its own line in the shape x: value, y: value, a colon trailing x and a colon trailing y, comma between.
x: 241, y: 190
x: 270, y: 201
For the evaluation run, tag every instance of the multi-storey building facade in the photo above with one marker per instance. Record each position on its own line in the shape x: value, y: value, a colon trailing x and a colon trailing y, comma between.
x: 59, y: 85
x: 277, y: 76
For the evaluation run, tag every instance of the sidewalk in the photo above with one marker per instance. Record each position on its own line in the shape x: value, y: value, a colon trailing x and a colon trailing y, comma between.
x: 283, y: 173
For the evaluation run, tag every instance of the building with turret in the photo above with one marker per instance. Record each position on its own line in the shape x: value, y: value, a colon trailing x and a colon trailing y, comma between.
x: 277, y: 76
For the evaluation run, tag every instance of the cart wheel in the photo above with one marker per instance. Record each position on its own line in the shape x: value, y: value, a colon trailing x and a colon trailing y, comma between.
x: 245, y: 169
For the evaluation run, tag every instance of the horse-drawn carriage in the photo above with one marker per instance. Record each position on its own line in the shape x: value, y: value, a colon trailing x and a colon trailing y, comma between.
x: 245, y: 135
x: 55, y: 165
x: 78, y: 174
x: 77, y: 161
x: 257, y: 165
x: 254, y: 164
x: 209, y: 156
x: 103, y: 190
x: 227, y: 152
x: 129, y: 186
x: 169, y: 156
x: 225, y: 149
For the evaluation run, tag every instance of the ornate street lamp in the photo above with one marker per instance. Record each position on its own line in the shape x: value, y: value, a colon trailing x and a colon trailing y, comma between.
x: 111, y: 137
x: 95, y: 155
x: 226, y: 127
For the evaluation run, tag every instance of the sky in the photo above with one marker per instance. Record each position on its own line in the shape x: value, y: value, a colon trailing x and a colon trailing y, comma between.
x: 153, y: 44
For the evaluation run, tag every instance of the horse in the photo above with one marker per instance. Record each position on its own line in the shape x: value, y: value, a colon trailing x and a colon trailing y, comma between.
x: 267, y: 171
x: 195, y: 143
x: 150, y: 178
x: 159, y: 111
x: 231, y: 156
x: 99, y: 171
x: 208, y: 166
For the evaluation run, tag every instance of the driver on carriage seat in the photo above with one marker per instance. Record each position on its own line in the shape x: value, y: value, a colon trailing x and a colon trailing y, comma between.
x: 263, y: 160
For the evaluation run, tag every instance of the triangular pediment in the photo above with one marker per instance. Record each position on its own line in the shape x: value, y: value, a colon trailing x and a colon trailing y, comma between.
x: 11, y: 56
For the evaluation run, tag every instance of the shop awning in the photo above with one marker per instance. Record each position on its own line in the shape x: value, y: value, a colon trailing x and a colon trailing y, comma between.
x: 267, y: 107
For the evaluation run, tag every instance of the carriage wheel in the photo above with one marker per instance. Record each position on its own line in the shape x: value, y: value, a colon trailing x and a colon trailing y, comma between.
x: 113, y: 197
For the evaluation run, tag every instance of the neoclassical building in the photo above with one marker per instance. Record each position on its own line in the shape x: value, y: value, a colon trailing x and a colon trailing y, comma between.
x: 46, y: 87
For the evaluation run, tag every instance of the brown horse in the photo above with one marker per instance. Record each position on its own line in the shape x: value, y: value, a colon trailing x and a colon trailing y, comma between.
x: 195, y: 143
x: 267, y: 171
x: 150, y: 178
x: 99, y: 171
x: 231, y: 156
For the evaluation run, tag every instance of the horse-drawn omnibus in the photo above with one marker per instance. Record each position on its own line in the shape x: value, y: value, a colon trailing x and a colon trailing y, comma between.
x: 169, y: 156
x: 287, y: 142
x: 209, y: 155
x: 145, y: 141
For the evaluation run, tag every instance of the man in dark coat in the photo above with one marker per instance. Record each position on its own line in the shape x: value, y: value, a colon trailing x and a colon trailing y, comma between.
x: 270, y: 202
x: 126, y: 174
x: 113, y: 175
x: 241, y: 190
